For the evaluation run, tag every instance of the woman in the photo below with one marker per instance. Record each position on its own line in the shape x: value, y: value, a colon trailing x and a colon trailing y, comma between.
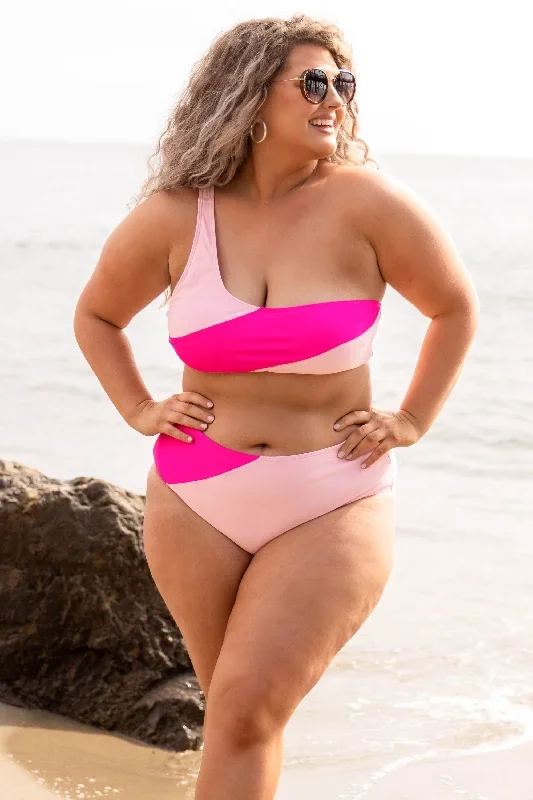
x: 269, y: 513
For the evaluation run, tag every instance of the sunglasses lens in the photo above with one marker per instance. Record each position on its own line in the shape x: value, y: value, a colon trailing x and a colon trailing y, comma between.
x: 344, y: 84
x: 316, y: 85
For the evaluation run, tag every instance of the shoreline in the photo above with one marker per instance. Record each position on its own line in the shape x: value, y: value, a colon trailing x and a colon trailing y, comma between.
x: 44, y: 756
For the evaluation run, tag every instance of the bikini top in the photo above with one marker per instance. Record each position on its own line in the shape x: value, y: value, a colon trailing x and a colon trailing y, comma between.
x: 213, y: 331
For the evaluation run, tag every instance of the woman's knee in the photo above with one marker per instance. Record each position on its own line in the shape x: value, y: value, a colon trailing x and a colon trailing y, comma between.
x: 245, y: 709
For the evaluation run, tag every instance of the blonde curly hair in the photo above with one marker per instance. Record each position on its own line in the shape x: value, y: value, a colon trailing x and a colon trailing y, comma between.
x: 206, y: 139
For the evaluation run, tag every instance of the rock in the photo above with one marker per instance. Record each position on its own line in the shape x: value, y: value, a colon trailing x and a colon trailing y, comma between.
x: 83, y: 630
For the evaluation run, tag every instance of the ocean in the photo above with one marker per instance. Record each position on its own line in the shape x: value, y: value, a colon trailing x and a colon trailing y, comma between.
x: 444, y: 665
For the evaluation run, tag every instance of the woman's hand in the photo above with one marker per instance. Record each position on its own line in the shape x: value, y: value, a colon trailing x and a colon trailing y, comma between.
x: 375, y: 432
x: 186, y: 408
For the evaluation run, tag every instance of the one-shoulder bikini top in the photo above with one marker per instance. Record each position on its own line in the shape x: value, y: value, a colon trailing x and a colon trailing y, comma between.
x: 213, y: 331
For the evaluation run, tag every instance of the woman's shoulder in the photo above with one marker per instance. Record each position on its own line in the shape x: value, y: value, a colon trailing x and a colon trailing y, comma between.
x: 376, y: 195
x: 173, y: 210
x: 375, y: 183
x: 179, y: 199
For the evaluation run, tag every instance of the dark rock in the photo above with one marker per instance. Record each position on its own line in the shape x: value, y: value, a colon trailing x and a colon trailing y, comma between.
x: 83, y: 630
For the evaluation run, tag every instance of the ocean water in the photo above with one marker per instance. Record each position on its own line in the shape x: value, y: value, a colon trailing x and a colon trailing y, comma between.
x: 444, y: 664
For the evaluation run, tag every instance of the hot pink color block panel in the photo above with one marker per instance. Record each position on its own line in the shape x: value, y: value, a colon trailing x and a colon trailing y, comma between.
x: 180, y: 462
x: 269, y: 337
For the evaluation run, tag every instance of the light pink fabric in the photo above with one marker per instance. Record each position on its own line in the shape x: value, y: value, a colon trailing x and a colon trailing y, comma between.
x: 213, y: 331
x: 347, y: 355
x: 268, y: 495
x: 200, y: 299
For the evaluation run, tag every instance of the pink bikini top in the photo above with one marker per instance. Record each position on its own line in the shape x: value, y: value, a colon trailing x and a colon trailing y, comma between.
x: 213, y: 331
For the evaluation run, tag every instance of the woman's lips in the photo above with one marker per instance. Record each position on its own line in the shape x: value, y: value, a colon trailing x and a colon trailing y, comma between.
x: 324, y: 129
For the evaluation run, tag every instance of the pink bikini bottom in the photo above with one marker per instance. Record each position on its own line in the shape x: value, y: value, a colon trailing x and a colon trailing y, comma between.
x: 254, y: 498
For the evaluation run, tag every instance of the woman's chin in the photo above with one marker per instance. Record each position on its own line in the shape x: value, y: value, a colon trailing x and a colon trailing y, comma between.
x: 321, y: 149
x: 327, y: 148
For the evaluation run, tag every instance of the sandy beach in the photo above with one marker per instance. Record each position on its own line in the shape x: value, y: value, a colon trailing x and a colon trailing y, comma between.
x: 46, y: 756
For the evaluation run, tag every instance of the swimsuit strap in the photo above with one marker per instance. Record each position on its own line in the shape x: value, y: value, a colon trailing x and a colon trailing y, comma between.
x: 206, y: 194
x: 206, y: 214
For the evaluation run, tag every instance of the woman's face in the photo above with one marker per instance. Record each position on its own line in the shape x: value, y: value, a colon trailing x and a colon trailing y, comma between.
x: 290, y: 118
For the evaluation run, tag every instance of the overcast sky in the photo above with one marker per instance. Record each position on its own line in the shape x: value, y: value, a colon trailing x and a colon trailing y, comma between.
x: 433, y: 77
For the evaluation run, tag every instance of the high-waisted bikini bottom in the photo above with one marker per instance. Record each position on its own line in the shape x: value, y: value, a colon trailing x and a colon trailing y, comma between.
x: 254, y: 498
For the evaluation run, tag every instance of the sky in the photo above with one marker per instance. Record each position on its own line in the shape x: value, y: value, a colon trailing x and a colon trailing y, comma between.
x: 433, y: 77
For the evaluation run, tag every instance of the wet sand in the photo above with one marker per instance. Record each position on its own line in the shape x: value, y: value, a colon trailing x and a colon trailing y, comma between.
x: 43, y: 755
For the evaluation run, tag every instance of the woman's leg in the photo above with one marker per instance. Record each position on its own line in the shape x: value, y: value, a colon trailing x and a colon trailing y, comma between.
x: 303, y: 596
x: 196, y: 569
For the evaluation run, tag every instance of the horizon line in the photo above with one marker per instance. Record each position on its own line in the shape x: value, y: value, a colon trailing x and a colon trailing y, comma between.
x: 151, y: 145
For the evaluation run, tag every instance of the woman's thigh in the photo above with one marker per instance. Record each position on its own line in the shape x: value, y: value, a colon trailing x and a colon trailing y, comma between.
x: 196, y: 569
x: 303, y: 596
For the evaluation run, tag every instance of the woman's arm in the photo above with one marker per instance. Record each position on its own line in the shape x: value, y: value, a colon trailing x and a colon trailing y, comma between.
x: 131, y: 272
x: 133, y: 269
x: 418, y: 259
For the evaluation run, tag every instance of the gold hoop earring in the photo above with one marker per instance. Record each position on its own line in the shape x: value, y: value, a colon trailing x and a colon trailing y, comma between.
x: 252, y: 126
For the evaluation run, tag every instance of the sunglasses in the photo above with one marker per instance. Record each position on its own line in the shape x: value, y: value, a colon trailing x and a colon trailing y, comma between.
x: 314, y: 84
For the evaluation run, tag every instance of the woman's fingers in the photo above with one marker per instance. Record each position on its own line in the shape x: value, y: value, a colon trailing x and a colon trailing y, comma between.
x: 193, y: 397
x: 190, y: 409
x: 361, y: 441
x: 187, y: 413
x: 171, y: 430
x: 191, y: 418
x: 384, y: 446
x: 353, y: 418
